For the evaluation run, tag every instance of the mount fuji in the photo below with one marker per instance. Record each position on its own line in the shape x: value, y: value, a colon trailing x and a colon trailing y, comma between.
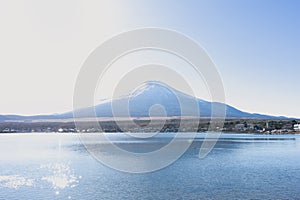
x: 151, y: 97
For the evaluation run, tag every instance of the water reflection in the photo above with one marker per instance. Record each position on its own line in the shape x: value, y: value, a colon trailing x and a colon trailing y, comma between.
x: 58, y: 175
x: 15, y: 181
x: 49, y: 166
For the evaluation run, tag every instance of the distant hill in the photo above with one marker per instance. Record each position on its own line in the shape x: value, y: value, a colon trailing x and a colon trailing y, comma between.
x: 143, y: 99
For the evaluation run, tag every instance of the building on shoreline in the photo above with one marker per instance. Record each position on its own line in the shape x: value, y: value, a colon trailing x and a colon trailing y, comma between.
x: 296, y: 127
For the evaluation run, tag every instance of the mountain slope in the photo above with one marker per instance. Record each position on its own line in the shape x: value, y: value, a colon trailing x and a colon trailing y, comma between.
x: 152, y: 97
x: 152, y: 93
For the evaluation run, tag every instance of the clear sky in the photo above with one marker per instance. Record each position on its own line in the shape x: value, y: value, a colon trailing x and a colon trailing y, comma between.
x: 255, y: 45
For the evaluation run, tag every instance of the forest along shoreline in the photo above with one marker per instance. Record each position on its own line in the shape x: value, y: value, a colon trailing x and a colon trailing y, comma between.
x: 257, y: 126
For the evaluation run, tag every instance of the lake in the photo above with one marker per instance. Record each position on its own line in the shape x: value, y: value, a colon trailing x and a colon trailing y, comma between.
x: 241, y: 166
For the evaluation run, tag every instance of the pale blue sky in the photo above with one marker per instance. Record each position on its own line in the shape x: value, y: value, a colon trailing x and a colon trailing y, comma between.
x: 255, y: 45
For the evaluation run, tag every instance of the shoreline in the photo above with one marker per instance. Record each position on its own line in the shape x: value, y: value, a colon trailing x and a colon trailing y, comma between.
x: 95, y: 133
x: 146, y: 125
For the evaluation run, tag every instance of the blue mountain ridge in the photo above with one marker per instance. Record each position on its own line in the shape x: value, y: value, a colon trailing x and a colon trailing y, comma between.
x: 144, y: 100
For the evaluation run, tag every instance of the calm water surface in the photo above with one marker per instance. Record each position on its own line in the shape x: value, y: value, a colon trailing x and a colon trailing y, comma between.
x: 241, y: 166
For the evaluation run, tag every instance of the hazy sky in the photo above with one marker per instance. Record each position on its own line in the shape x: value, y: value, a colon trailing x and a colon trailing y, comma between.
x: 255, y: 45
